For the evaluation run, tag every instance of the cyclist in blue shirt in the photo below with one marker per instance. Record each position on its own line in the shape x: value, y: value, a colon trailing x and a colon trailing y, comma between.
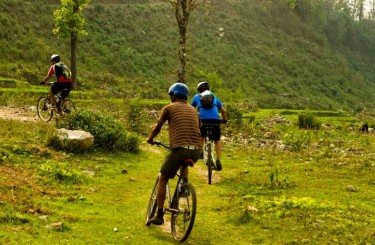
x: 210, y: 115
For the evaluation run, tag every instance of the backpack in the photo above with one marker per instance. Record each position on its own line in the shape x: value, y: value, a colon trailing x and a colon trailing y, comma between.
x: 62, y: 70
x: 207, y: 99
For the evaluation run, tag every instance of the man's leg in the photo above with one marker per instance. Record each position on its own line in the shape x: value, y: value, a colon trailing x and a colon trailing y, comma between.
x: 160, y: 198
x: 52, y: 97
x: 218, y: 149
x: 54, y: 90
x: 218, y: 154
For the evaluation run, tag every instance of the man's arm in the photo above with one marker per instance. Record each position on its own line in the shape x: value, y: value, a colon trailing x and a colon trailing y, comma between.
x: 194, y: 102
x: 49, y: 75
x: 45, y: 79
x: 154, y: 132
x: 223, y: 113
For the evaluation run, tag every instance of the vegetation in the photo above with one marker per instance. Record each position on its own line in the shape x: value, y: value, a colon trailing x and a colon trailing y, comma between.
x: 296, y: 78
x: 287, y: 185
x: 108, y: 133
x: 266, y: 53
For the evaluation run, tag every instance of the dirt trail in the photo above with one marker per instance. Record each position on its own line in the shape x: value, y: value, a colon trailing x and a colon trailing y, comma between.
x: 24, y: 114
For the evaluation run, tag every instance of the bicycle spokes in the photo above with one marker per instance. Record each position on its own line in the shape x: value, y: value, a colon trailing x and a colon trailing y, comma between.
x: 184, y: 216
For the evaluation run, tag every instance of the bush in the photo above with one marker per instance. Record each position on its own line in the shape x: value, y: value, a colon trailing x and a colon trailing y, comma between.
x: 308, y: 121
x: 234, y: 115
x: 108, y: 133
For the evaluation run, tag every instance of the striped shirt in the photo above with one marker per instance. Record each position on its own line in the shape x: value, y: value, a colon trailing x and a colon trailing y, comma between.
x: 183, y: 122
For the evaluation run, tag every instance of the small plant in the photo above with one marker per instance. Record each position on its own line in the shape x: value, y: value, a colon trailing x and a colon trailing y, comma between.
x: 64, y: 173
x: 274, y: 178
x: 276, y: 182
x: 308, y: 121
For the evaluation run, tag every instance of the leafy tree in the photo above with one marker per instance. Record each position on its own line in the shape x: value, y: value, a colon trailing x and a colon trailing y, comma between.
x: 70, y: 22
x: 183, y: 9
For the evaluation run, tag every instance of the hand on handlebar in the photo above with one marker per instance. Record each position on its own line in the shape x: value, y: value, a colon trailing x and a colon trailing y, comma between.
x: 152, y: 142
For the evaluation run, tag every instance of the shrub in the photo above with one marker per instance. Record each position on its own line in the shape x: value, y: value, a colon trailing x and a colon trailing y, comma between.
x: 234, y: 115
x: 135, y: 117
x: 109, y: 134
x: 308, y: 121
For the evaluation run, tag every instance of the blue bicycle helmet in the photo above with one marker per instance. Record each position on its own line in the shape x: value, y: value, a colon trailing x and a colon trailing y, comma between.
x: 179, y: 89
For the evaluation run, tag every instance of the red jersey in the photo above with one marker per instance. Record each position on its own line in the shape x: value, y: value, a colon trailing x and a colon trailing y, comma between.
x: 61, y: 79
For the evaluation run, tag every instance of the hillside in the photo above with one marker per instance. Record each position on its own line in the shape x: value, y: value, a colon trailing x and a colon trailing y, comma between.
x: 259, y: 52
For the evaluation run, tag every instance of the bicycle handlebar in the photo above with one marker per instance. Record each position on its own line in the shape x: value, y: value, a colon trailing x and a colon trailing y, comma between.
x: 46, y: 83
x: 158, y: 143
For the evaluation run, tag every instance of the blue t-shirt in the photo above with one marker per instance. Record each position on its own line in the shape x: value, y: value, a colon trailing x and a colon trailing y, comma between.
x: 207, y: 113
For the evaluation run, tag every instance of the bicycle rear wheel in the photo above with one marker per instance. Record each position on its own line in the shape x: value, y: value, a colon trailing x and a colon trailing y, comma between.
x: 68, y: 107
x: 44, y: 109
x: 152, y: 205
x: 182, y: 221
x: 209, y: 163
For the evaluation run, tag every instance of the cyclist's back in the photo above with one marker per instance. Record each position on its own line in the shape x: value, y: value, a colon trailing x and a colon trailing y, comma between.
x: 209, y: 116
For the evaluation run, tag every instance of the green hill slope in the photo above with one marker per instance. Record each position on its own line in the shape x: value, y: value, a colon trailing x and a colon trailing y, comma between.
x: 260, y: 52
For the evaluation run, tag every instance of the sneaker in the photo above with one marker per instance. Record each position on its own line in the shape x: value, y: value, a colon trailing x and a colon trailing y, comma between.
x: 218, y: 165
x: 156, y: 220
x: 66, y: 110
x: 57, y: 109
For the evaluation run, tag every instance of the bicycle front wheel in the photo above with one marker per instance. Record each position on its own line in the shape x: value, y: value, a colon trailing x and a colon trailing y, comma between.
x: 44, y: 109
x: 182, y: 220
x: 152, y: 205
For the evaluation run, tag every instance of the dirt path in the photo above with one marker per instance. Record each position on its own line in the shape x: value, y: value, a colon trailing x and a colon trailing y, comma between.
x: 24, y: 114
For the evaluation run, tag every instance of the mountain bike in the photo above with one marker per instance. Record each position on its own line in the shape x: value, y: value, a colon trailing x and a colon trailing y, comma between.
x: 46, y: 110
x: 209, y: 153
x: 182, y: 205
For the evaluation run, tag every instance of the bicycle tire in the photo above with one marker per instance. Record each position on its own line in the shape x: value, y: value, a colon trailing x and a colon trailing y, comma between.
x: 152, y: 205
x: 209, y: 163
x: 67, y: 107
x: 182, y: 221
x: 44, y: 109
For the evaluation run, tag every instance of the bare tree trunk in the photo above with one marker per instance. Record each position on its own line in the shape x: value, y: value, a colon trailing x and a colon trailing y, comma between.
x: 360, y: 10
x: 372, y: 10
x: 183, y: 9
x: 73, y: 59
x: 73, y: 47
x: 182, y: 17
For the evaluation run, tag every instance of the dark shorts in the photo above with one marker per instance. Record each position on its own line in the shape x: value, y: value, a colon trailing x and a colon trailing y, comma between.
x: 215, y: 125
x: 64, y: 88
x: 174, y: 159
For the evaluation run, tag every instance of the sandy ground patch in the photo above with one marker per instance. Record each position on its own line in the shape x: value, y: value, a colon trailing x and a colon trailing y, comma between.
x: 24, y: 114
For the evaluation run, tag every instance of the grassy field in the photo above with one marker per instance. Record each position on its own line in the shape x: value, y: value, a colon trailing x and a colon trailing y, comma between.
x: 279, y: 185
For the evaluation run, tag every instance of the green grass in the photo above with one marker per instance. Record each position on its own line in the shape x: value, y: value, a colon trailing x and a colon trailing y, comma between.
x: 265, y: 194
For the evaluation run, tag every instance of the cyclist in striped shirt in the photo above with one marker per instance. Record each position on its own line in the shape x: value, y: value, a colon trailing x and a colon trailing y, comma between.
x: 184, y: 139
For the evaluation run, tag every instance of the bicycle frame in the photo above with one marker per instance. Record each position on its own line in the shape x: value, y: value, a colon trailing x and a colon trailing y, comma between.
x: 170, y: 208
x: 208, y: 153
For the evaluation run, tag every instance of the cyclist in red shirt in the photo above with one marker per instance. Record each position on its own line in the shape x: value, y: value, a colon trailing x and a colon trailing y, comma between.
x: 63, y: 83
